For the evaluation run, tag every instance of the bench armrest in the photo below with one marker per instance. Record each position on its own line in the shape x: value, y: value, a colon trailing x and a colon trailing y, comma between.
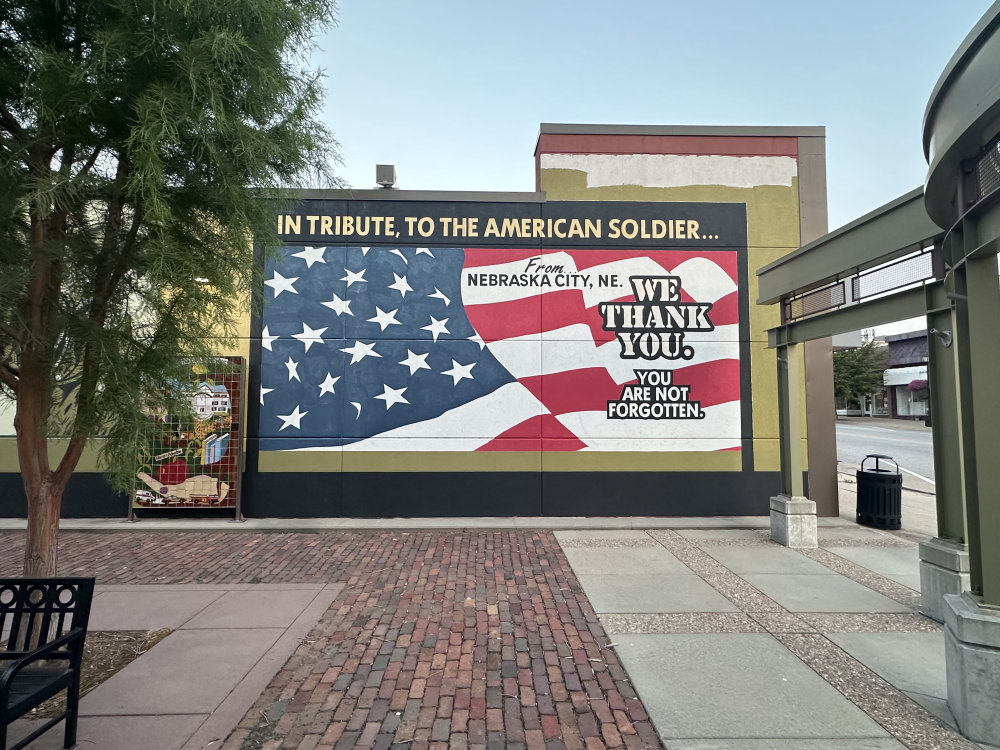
x: 42, y: 652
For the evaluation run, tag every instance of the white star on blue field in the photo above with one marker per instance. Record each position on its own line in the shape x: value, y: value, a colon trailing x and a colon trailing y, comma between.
x: 360, y: 340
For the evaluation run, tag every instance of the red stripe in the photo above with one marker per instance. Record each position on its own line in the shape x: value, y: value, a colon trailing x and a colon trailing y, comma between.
x: 566, y: 308
x: 712, y: 383
x: 590, y: 388
x: 556, y: 309
x: 528, y: 317
x: 726, y: 310
x: 527, y: 434
x: 512, y: 444
x: 586, y: 389
x: 505, y: 320
x: 667, y: 259
x: 590, y: 258
x: 630, y: 143
x: 726, y: 260
x: 492, y: 256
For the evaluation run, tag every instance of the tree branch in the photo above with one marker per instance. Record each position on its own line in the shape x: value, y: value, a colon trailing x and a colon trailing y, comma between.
x: 105, y: 284
x: 128, y: 252
x: 112, y: 230
x: 10, y: 122
x: 11, y: 333
x: 66, y: 162
x: 70, y: 458
x: 89, y: 163
x: 9, y: 376
x: 155, y: 339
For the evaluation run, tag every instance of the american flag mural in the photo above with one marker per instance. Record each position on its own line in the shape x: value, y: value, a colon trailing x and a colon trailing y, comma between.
x: 500, y: 349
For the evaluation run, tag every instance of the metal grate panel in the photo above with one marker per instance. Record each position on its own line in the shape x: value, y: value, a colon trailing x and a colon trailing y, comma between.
x: 988, y: 170
x: 912, y: 269
x: 818, y: 300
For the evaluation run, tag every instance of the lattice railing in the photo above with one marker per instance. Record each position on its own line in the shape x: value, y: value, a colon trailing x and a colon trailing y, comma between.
x: 896, y: 275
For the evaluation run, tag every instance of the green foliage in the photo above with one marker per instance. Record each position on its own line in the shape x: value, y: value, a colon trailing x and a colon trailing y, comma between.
x: 858, y: 372
x: 142, y: 145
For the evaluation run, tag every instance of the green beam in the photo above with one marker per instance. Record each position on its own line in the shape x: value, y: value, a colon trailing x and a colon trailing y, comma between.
x: 887, y: 232
x: 790, y: 420
x: 981, y: 359
x: 900, y: 306
x: 966, y: 410
x: 948, y: 475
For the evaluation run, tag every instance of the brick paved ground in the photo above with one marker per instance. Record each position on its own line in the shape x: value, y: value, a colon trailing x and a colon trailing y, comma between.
x: 438, y: 640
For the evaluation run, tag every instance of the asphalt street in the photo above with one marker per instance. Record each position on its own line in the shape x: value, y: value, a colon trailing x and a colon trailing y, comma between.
x: 909, y: 444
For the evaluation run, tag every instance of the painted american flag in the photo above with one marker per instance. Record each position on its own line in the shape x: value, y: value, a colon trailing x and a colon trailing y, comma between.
x: 463, y: 349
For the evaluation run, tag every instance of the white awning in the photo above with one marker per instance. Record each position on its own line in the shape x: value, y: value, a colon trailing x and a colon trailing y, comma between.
x: 904, y: 375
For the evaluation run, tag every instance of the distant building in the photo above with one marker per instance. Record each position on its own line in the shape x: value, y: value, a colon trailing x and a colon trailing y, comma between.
x: 906, y: 376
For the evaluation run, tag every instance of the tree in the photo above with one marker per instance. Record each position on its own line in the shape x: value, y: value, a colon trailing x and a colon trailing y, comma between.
x: 140, y: 144
x: 858, y: 372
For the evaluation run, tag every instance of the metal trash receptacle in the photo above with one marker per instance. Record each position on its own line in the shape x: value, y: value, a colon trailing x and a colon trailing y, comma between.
x: 880, y: 494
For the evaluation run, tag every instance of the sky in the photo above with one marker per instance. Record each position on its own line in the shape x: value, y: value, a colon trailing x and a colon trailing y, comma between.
x: 453, y: 93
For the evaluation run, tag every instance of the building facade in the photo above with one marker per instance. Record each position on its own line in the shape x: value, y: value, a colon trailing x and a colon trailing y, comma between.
x: 589, y: 348
x: 905, y: 377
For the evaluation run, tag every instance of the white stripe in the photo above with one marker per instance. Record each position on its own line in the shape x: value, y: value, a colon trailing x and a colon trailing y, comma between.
x: 918, y: 476
x: 486, y: 295
x: 464, y: 428
x: 660, y: 445
x: 701, y: 278
x: 721, y: 422
x: 676, y: 170
x: 573, y: 348
x: 578, y: 331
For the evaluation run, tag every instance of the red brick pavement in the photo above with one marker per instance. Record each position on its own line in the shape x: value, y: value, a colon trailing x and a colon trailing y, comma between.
x: 438, y: 640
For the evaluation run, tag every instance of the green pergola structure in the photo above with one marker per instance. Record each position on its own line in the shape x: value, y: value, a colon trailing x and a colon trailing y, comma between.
x: 930, y: 252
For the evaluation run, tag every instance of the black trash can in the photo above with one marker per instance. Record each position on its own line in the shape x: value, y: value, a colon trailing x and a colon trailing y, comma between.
x: 880, y: 494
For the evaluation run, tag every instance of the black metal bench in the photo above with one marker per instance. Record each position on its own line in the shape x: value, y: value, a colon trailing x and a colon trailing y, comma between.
x: 43, y: 624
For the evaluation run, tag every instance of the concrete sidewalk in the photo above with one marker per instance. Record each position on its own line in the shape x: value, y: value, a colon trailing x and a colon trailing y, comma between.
x: 697, y: 634
x: 191, y: 689
x: 734, y: 642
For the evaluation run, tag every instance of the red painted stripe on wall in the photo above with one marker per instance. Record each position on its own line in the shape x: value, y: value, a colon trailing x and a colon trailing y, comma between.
x: 702, y: 145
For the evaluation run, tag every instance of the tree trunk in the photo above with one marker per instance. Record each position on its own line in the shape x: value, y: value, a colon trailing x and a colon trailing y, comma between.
x: 42, y: 487
x: 40, y: 548
x: 44, y: 505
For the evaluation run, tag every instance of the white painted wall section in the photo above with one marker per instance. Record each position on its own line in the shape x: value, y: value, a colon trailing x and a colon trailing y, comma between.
x: 674, y: 170
x: 7, y: 409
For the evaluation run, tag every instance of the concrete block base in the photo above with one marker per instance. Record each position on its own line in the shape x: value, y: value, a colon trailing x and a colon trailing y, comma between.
x: 944, y: 569
x: 793, y: 521
x: 972, y: 662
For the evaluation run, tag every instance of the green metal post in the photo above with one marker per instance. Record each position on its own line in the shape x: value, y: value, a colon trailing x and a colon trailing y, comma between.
x: 981, y: 360
x: 949, y: 484
x: 790, y: 420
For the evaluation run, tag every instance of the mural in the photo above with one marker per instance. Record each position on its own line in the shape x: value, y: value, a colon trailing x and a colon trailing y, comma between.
x: 194, y: 460
x: 500, y: 349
